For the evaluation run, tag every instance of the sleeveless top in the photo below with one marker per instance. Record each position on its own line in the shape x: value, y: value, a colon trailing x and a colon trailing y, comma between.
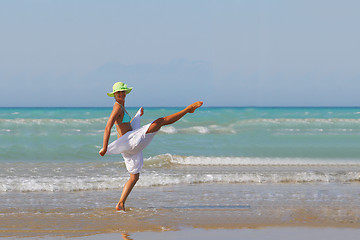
x: 126, y: 117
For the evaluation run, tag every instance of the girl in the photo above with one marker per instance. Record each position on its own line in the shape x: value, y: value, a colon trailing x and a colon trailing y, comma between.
x: 132, y: 138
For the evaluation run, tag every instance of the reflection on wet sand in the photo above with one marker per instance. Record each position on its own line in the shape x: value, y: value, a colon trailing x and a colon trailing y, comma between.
x: 126, y: 236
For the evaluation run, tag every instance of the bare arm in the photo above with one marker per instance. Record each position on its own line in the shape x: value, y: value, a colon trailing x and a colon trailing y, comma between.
x: 141, y: 113
x: 110, y: 123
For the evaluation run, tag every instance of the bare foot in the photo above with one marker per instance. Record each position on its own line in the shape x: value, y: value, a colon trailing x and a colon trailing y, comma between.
x: 194, y: 106
x: 120, y: 207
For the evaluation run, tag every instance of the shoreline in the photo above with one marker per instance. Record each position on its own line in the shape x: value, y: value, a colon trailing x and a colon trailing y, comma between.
x: 112, y: 224
x: 245, y: 207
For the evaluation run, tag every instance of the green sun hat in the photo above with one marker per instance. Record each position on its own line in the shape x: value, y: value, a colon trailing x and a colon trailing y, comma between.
x: 119, y: 86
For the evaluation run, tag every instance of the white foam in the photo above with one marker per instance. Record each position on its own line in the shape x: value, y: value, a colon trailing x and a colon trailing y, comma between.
x: 299, y: 120
x: 201, y: 130
x: 307, y: 126
x: 168, y: 130
x: 256, y: 161
x: 212, y: 129
x: 70, y: 184
x: 240, y: 122
x: 44, y: 121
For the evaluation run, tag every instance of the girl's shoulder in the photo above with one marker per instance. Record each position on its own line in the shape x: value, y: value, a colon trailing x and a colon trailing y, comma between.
x: 118, y: 108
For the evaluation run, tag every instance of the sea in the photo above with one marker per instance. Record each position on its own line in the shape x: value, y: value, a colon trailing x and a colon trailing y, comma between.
x: 216, y: 158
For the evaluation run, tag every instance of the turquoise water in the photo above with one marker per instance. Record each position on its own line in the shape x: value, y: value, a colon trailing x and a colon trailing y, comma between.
x: 56, y: 149
x: 75, y: 134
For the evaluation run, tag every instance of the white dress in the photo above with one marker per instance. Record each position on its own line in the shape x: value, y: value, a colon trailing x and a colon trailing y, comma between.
x: 131, y: 145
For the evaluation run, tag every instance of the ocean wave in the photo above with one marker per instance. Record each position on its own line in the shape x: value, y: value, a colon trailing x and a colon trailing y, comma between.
x: 209, y: 129
x: 167, y: 169
x: 301, y: 122
x: 45, y: 121
x: 279, y: 126
x: 245, y: 178
x: 97, y: 183
x: 168, y: 159
x: 242, y: 121
x: 189, y: 130
x: 92, y: 126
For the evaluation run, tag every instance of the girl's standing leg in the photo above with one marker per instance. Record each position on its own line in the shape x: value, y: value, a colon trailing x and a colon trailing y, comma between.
x: 158, y: 123
x: 126, y: 191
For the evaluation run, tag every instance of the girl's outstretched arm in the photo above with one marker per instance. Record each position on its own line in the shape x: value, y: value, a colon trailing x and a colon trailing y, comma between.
x: 110, y: 123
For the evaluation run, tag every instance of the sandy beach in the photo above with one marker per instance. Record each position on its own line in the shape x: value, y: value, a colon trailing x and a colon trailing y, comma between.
x: 150, y: 213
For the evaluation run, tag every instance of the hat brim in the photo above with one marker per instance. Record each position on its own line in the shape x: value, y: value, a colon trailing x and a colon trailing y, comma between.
x: 128, y: 90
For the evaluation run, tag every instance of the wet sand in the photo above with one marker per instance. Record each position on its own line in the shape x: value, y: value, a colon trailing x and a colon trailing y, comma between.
x: 255, y: 234
x: 278, y: 233
x: 263, y: 206
x: 161, y: 220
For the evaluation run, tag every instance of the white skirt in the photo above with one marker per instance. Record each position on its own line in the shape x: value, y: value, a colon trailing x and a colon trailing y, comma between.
x: 131, y: 145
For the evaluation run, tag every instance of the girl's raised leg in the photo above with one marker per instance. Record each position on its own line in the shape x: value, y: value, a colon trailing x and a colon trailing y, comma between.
x: 158, y: 123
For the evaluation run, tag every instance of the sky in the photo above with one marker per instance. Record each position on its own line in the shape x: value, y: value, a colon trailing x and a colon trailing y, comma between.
x: 227, y: 53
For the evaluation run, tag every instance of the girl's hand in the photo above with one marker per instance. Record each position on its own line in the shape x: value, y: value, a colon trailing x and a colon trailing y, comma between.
x: 142, y: 111
x: 102, y: 152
